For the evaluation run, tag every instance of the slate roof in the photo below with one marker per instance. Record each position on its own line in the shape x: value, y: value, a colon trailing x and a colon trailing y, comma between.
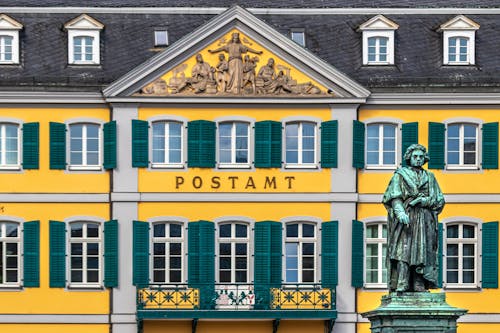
x: 127, y: 41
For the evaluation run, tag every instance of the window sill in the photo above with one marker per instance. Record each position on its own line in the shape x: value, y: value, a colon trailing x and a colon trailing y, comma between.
x: 85, y: 168
x: 378, y: 64
x: 375, y: 286
x: 458, y: 64
x: 301, y: 166
x: 460, y: 167
x: 85, y: 287
x: 166, y: 166
x: 10, y: 168
x: 10, y: 287
x: 84, y: 63
x: 234, y: 166
x: 381, y: 167
x: 461, y: 287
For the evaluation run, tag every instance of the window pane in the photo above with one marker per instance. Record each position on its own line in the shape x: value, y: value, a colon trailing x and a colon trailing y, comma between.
x: 76, y: 262
x: 241, y: 249
x: 225, y: 276
x: 11, y: 262
x: 241, y: 276
x: 291, y: 262
x: 159, y: 248
x: 292, y: 156
x: 159, y: 230
x: 371, y: 250
x: 92, y: 248
x: 308, y: 262
x: 175, y: 230
x: 76, y: 229
x: 175, y: 249
x: 175, y: 276
x: 291, y: 249
x: 452, y: 276
x: 372, y: 157
x: 372, y: 231
x: 11, y: 248
x: 307, y: 276
x: 225, y: 249
x: 11, y: 229
x: 292, y: 230
x: 452, y: 263
x: 76, y: 276
x: 241, y: 230
x: 159, y: 262
x: 292, y: 130
x: 292, y: 276
x: 468, y: 263
x: 224, y: 263
x: 468, y: 250
x: 225, y: 230
x: 389, y: 157
x: 308, y: 248
x: 468, y: 231
x: 175, y: 262
x: 372, y: 144
x: 452, y: 231
x: 241, y: 263
x: 468, y: 277
x: 307, y: 230
x: 159, y: 276
x: 92, y: 276
x: 92, y: 262
x: 76, y: 249
x: 452, y: 250
x: 92, y: 230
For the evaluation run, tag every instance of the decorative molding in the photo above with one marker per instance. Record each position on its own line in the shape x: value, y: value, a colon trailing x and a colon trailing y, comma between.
x: 45, y: 97
x: 84, y: 22
x: 240, y: 100
x: 8, y: 23
x: 433, y: 98
x: 459, y: 22
x: 54, y: 318
x: 54, y: 197
x: 379, y: 22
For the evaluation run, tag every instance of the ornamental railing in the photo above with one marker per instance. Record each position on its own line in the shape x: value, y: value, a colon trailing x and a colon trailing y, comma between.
x: 302, y: 297
x: 172, y: 296
x: 234, y: 296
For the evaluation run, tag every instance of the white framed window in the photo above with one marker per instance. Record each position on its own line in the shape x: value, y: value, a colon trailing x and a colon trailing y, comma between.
x: 301, y: 145
x: 161, y: 37
x: 10, y: 254
x: 461, y: 255
x: 375, y: 255
x: 233, y: 241
x: 84, y: 40
x: 85, y: 146
x: 459, y: 39
x: 378, y: 41
x: 85, y: 254
x: 168, y: 142
x: 298, y: 36
x: 462, y: 146
x: 301, y: 240
x: 10, y: 146
x: 381, y: 145
x: 234, y: 144
x: 9, y: 40
x: 167, y: 256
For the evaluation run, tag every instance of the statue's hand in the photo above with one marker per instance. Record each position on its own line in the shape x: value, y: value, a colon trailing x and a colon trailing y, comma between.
x: 416, y: 201
x: 403, y: 218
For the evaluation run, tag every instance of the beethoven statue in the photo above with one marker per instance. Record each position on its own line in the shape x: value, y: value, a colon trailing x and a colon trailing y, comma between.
x: 413, y: 201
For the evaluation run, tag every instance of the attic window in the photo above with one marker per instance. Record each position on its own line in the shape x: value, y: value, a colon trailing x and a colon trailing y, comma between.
x: 378, y: 41
x: 84, y: 40
x: 459, y: 41
x: 161, y: 37
x: 9, y: 40
x: 298, y: 36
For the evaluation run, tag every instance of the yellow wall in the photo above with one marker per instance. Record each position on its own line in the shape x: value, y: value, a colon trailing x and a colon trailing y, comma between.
x: 54, y: 328
x: 248, y: 180
x: 485, y: 181
x: 45, y: 300
x: 50, y: 181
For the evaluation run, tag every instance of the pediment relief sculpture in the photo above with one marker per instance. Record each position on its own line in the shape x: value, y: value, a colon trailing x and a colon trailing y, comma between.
x: 236, y: 72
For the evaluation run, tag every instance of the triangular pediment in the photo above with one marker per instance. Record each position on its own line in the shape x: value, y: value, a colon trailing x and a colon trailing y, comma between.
x: 379, y: 22
x: 459, y: 22
x: 84, y: 22
x: 8, y: 23
x: 235, y: 55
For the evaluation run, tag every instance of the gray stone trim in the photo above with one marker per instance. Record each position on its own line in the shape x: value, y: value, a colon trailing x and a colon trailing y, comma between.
x: 27, y: 97
x: 125, y: 178
x: 236, y: 100
x: 123, y: 318
x: 433, y: 98
x: 255, y: 28
x: 85, y: 218
x: 54, y: 318
x: 54, y: 197
x: 256, y: 11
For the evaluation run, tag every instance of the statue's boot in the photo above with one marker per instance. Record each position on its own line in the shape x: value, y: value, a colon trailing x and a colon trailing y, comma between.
x: 403, y: 276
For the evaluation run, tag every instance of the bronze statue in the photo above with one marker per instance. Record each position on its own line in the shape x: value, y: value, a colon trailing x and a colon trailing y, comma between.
x: 235, y: 49
x: 413, y: 201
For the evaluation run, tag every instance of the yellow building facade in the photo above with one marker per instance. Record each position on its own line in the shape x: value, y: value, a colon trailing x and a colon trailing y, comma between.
x: 170, y: 204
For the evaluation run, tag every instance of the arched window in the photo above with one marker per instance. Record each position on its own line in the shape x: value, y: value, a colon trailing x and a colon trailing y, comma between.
x: 233, y: 239
x: 10, y: 243
x: 167, y: 143
x: 300, y: 144
x: 381, y: 145
x: 167, y: 253
x: 301, y: 252
x: 375, y: 254
x: 461, y: 254
x: 234, y: 144
x: 85, y: 259
x: 85, y: 143
x: 378, y: 49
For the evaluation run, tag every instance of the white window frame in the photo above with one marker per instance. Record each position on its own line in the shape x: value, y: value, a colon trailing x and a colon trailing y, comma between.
x: 300, y: 33
x: 469, y: 35
x: 380, y: 241
x: 85, y: 240
x: 94, y: 34
x: 3, y: 241
x: 300, y: 164
x: 300, y: 240
x: 158, y: 42
x: 4, y: 166
x: 167, y: 240
x: 378, y: 53
x: 233, y: 240
x: 166, y: 146
x: 14, y: 47
x: 10, y: 28
x: 233, y: 164
x: 84, y: 166
x: 389, y: 34
x: 397, y: 143
x: 461, y: 165
x: 461, y: 241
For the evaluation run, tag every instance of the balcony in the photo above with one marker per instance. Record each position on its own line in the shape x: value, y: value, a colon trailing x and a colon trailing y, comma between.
x: 237, y: 301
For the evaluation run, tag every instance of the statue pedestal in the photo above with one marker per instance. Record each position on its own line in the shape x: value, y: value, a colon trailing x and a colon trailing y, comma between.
x: 414, y: 312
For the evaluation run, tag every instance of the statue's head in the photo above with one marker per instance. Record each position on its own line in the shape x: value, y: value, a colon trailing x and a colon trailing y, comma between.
x: 416, y: 155
x: 199, y: 58
x: 221, y: 56
x: 270, y: 62
x: 235, y: 37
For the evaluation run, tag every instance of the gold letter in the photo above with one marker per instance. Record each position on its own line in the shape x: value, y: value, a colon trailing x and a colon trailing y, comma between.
x: 215, y: 182
x: 179, y: 181
x: 270, y: 181
x: 290, y: 178
x: 250, y: 183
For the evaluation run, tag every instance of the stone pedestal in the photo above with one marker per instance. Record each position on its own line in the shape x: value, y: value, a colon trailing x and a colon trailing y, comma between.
x: 414, y: 312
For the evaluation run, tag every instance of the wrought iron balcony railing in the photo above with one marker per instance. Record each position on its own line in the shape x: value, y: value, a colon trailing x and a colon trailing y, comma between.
x: 302, y: 297
x: 171, y: 296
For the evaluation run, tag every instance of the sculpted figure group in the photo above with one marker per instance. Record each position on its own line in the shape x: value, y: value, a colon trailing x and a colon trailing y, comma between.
x: 236, y: 76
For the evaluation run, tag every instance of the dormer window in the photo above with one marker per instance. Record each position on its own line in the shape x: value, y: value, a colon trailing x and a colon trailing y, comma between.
x: 298, y: 36
x: 161, y: 37
x: 9, y: 40
x: 83, y: 40
x: 378, y: 41
x: 459, y: 41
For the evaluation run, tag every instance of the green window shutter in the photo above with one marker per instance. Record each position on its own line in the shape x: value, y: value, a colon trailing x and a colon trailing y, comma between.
x: 268, y: 142
x: 490, y: 146
x: 141, y: 253
x: 57, y: 246
x: 31, y: 146
x: 109, y: 131
x: 440, y: 256
x: 409, y: 136
x: 329, y: 256
x: 140, y: 143
x: 207, y: 264
x: 490, y: 255
x: 264, y: 271
x: 358, y: 145
x: 31, y: 254
x: 111, y: 254
x: 201, y: 144
x: 329, y: 143
x: 436, y: 145
x: 276, y: 254
x: 193, y: 254
x: 57, y: 146
x: 357, y: 273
